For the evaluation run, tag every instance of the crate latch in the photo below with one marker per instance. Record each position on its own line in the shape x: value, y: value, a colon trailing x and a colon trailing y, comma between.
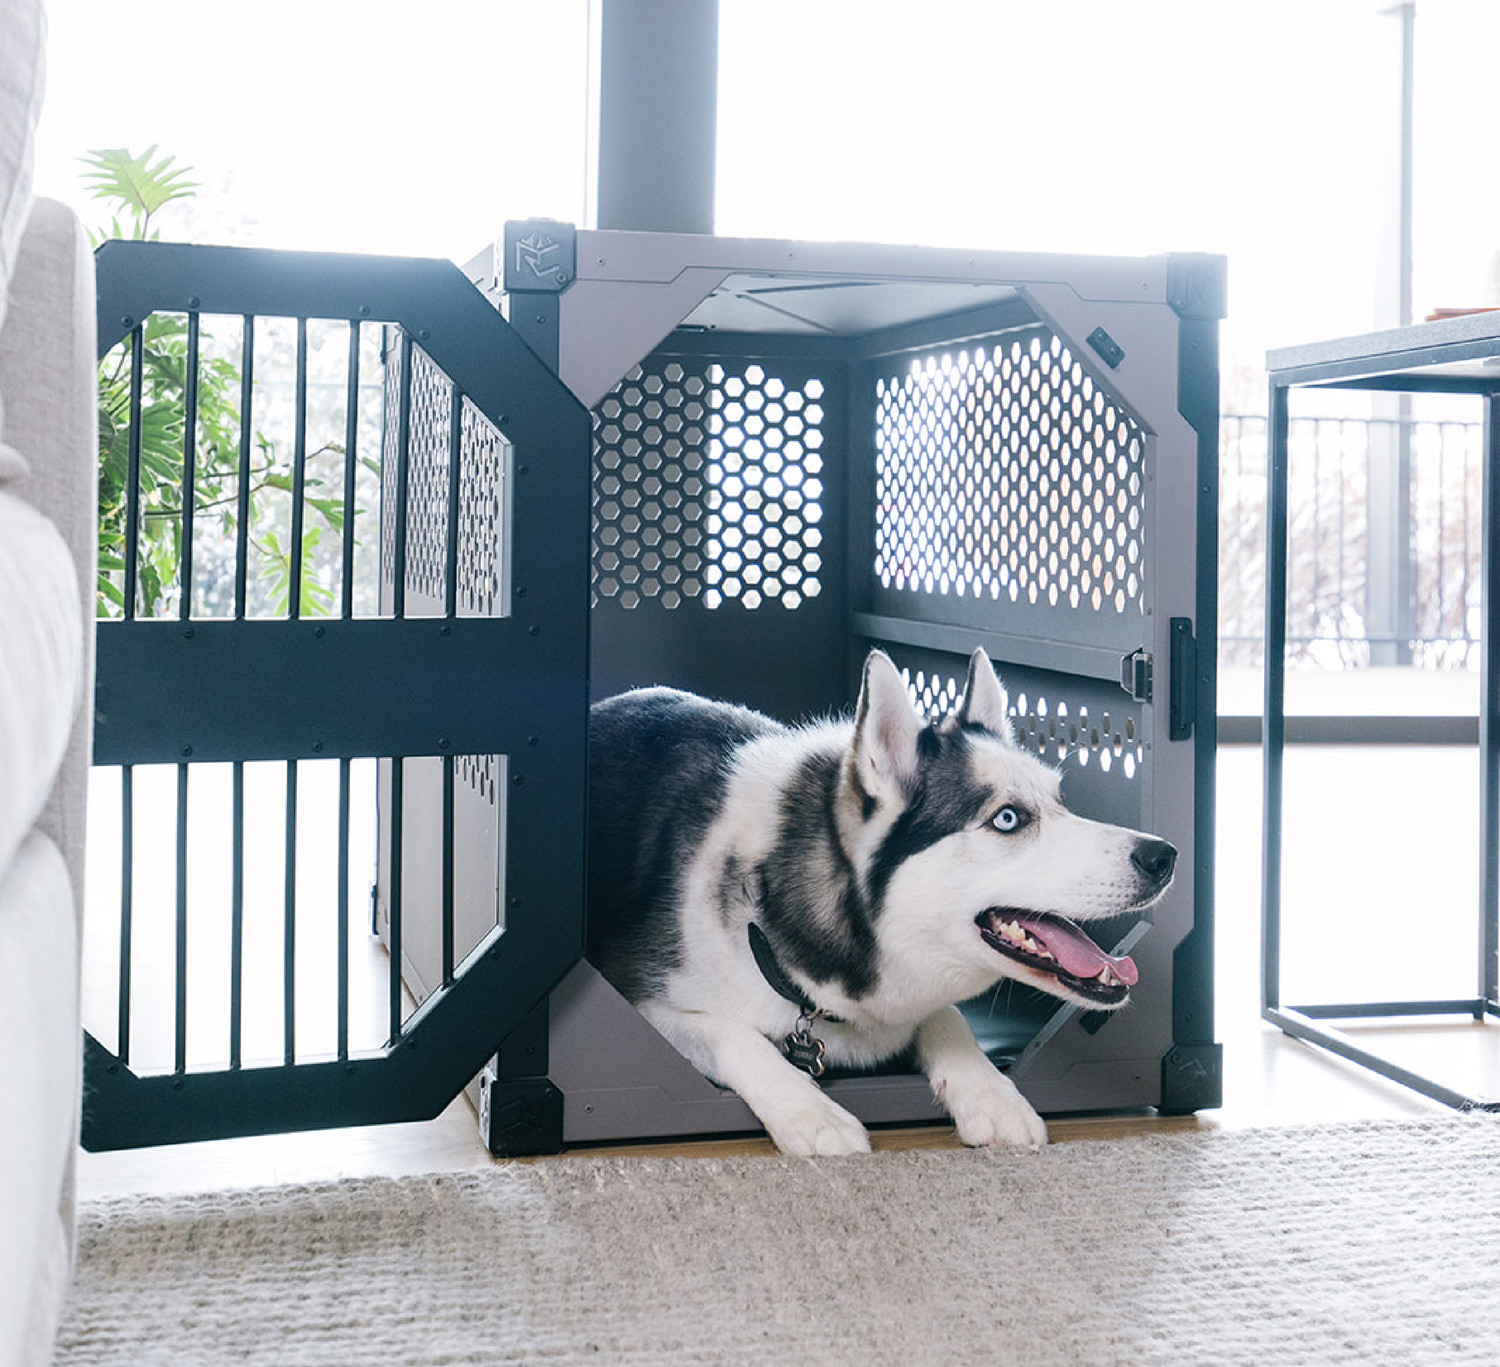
x: 1137, y: 672
x: 1135, y: 675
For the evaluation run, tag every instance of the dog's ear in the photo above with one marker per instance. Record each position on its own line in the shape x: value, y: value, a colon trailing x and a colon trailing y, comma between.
x: 886, y: 727
x: 984, y: 701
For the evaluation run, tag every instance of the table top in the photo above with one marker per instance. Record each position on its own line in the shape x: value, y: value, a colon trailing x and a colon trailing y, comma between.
x: 1454, y: 355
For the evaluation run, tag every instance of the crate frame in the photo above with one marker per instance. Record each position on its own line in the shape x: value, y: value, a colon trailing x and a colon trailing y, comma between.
x: 599, y: 307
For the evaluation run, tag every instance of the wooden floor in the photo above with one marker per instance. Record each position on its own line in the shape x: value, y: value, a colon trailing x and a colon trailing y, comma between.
x: 1269, y: 1080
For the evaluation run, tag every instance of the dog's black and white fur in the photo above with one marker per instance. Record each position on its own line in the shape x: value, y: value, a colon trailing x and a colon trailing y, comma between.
x: 895, y: 867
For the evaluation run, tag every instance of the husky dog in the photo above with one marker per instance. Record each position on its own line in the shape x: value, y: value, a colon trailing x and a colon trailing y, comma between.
x: 775, y: 899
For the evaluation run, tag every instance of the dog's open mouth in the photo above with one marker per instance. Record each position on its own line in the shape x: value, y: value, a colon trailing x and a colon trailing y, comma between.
x: 1054, y: 945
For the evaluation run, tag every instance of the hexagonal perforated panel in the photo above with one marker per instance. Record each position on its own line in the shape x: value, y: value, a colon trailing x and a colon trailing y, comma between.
x: 483, y: 516
x: 427, y: 478
x: 1049, y: 726
x: 1005, y: 473
x: 708, y: 485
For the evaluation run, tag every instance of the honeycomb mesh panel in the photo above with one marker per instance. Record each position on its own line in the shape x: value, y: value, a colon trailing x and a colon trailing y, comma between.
x: 483, y: 515
x: 1004, y: 473
x: 708, y: 486
x: 1050, y: 726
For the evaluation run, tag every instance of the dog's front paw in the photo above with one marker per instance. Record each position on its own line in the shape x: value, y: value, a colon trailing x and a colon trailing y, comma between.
x: 816, y: 1127
x: 989, y: 1110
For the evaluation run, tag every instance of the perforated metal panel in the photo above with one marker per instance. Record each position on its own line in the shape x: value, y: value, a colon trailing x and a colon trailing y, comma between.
x: 1005, y: 474
x: 483, y: 514
x: 480, y: 552
x: 471, y: 499
x: 708, y: 486
x: 1051, y: 722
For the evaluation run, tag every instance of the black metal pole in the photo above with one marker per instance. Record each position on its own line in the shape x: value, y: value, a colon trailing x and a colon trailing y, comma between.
x: 1489, y: 720
x: 1274, y: 731
x: 189, y: 470
x: 299, y: 479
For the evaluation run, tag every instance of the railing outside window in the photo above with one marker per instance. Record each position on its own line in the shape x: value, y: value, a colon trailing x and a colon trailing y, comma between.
x: 1384, y: 536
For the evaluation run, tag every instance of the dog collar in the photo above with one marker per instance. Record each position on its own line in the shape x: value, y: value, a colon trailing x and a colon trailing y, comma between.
x: 802, y: 1048
x: 773, y: 973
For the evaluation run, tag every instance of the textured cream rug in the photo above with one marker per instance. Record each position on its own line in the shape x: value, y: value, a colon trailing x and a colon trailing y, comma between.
x: 1353, y: 1244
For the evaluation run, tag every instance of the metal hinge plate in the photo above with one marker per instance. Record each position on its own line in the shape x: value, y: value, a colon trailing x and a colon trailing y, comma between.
x: 1182, y: 713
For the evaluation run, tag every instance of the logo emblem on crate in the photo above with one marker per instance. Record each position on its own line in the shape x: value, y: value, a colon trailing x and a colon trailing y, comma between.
x: 539, y: 255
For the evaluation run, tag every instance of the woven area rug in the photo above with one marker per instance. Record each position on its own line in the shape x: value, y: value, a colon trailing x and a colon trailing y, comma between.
x: 1352, y: 1244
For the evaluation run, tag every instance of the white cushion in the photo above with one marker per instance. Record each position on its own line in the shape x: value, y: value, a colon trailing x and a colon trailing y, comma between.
x: 48, y: 377
x: 39, y: 1120
x: 23, y: 30
x: 41, y: 663
x: 21, y: 81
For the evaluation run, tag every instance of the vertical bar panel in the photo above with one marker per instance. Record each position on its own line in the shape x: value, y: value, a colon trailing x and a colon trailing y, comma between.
x: 343, y: 912
x: 299, y: 476
x: 403, y: 461
x: 351, y: 465
x: 1275, y: 696
x: 182, y: 909
x: 447, y: 849
x: 242, y: 501
x: 127, y: 881
x: 237, y: 914
x: 289, y: 922
x: 189, y: 469
x: 1489, y: 716
x: 133, y: 476
x: 393, y: 938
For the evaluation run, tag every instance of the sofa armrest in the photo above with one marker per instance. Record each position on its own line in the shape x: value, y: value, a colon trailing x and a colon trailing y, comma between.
x: 49, y: 390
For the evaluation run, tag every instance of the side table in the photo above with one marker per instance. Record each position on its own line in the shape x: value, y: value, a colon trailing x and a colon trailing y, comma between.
x: 1455, y: 356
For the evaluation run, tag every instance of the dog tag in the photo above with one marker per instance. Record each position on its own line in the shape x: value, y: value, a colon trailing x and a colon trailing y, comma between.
x: 804, y: 1052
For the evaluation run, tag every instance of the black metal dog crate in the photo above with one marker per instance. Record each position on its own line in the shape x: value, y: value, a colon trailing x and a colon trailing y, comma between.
x: 801, y: 451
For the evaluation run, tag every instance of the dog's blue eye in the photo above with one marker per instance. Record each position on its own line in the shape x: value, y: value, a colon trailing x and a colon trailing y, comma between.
x: 1009, y: 819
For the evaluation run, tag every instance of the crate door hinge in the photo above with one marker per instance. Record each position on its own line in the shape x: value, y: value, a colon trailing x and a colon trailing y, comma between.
x: 537, y: 262
x: 1182, y: 713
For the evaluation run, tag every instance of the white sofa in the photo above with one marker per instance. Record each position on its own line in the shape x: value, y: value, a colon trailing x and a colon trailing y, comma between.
x: 48, y: 518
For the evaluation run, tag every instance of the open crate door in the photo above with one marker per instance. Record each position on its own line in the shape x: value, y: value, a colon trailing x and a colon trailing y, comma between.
x: 465, y: 676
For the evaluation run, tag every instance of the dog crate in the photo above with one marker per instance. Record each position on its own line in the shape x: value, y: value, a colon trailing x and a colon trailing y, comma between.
x: 802, y: 451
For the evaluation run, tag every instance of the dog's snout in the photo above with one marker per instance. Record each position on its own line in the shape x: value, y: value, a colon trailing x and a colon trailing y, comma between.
x: 1155, y: 858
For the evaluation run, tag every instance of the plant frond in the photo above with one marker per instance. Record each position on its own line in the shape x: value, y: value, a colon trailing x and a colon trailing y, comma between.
x: 139, y: 183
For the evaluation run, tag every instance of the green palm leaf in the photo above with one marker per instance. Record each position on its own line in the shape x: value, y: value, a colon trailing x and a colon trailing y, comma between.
x: 140, y: 183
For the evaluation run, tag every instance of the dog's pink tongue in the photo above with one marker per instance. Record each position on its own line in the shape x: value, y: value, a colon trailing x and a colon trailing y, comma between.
x: 1078, y: 954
